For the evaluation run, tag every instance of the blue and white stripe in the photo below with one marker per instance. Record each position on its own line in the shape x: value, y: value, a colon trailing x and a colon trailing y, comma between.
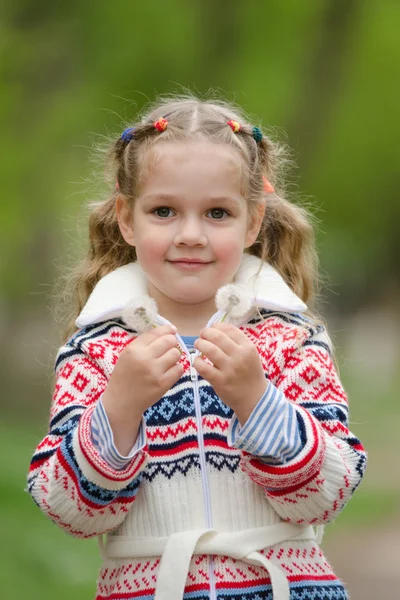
x: 103, y: 439
x: 271, y: 432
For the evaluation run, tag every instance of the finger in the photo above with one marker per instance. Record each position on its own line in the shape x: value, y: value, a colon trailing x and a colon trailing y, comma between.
x: 219, y: 338
x: 213, y: 352
x: 205, y: 370
x: 168, y: 359
x: 159, y: 346
x: 234, y: 333
x: 173, y: 374
x: 149, y: 336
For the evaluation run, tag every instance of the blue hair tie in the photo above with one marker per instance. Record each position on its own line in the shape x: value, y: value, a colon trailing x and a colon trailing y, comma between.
x: 127, y: 135
x: 257, y: 134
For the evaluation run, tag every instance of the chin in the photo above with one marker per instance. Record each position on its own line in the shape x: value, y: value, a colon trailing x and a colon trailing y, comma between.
x: 190, y: 297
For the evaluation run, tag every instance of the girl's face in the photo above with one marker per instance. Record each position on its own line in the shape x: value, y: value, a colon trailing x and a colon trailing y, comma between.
x: 190, y: 223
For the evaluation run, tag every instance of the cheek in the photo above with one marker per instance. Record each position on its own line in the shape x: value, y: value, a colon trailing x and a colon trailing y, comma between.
x: 150, y: 245
x: 228, y: 247
x: 232, y: 238
x: 149, y: 249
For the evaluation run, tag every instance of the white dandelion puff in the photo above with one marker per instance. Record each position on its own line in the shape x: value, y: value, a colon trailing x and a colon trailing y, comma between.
x: 140, y: 314
x: 233, y: 300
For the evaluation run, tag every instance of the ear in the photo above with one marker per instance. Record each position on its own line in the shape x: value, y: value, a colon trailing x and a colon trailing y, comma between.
x: 255, y: 224
x: 125, y: 219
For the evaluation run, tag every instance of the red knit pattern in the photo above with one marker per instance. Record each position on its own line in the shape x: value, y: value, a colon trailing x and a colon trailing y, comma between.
x: 79, y: 491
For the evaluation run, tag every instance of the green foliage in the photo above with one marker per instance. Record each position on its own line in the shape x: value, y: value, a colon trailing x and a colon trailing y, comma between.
x: 323, y: 72
x: 367, y: 508
x: 38, y: 559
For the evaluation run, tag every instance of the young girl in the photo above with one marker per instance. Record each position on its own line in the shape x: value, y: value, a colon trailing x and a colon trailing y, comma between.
x: 197, y: 416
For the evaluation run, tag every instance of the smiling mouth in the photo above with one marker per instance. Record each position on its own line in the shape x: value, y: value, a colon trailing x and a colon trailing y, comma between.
x: 189, y: 264
x: 191, y: 261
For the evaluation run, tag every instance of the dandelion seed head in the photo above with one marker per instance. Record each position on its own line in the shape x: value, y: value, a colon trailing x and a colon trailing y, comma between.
x: 234, y: 300
x: 140, y: 314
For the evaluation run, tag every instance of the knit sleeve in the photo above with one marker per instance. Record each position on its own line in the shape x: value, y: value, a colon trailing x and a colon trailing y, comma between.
x: 315, y: 485
x: 68, y: 479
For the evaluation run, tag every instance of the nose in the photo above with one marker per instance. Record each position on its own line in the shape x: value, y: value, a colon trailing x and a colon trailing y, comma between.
x: 190, y: 232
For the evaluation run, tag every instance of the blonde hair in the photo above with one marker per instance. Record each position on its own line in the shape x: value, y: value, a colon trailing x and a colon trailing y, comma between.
x: 286, y: 237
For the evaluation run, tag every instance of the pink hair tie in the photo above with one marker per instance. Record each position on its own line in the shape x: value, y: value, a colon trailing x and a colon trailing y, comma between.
x: 268, y: 187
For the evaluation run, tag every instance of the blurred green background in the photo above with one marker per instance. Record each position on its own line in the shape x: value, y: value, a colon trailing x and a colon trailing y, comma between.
x: 325, y: 75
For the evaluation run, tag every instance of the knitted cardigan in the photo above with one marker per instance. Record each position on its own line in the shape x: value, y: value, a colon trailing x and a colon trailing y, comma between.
x: 188, y: 477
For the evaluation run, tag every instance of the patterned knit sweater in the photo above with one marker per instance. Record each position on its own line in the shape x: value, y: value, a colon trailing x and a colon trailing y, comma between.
x: 188, y: 476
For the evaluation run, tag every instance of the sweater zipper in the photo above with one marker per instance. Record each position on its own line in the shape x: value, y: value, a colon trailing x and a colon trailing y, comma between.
x: 202, y: 452
x: 203, y: 466
x: 200, y: 439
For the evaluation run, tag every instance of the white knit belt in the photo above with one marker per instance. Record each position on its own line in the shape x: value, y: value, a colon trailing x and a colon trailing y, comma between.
x: 177, y: 550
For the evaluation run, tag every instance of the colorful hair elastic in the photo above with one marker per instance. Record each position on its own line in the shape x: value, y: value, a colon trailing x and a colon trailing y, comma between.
x: 234, y: 125
x: 127, y: 135
x: 161, y: 124
x: 257, y: 134
x: 268, y: 187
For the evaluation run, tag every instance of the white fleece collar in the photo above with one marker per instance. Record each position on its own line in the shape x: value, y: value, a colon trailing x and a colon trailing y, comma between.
x: 129, y: 284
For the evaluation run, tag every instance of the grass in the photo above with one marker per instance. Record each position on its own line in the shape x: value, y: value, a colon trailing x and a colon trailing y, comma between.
x: 38, y: 560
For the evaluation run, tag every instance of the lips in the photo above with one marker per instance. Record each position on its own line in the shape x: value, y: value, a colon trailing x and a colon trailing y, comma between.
x: 189, y: 264
x: 191, y: 261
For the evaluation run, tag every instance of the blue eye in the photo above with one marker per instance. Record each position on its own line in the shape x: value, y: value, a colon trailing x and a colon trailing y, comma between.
x: 162, y: 212
x: 218, y: 213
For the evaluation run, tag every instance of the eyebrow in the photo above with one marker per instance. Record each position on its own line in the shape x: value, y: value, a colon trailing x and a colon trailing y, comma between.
x: 170, y: 198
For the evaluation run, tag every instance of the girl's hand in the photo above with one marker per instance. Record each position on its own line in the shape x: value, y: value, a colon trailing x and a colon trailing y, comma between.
x: 237, y: 374
x: 146, y: 369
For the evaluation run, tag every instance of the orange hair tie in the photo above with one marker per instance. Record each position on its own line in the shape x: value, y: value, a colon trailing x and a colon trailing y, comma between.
x: 268, y: 187
x: 234, y: 125
x: 161, y: 124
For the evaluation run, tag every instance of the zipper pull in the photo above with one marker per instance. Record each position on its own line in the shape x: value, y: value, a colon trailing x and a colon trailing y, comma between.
x: 193, y: 372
